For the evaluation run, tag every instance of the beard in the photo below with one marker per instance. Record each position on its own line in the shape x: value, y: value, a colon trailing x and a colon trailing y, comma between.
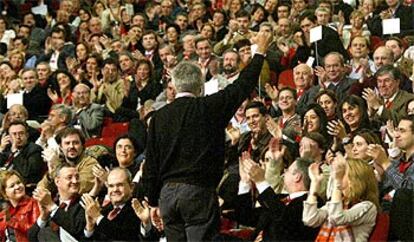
x: 229, y: 69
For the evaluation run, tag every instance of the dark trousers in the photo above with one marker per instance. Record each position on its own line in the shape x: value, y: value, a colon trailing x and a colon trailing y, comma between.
x: 189, y: 212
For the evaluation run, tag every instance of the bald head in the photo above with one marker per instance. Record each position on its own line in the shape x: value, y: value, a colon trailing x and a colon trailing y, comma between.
x: 383, y: 56
x: 302, y: 76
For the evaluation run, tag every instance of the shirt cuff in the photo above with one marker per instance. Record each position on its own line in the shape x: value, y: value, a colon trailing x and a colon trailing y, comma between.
x: 99, y: 219
x: 261, y: 186
x: 41, y: 223
x: 87, y: 233
x: 380, y: 109
x: 244, y: 187
x: 54, y: 210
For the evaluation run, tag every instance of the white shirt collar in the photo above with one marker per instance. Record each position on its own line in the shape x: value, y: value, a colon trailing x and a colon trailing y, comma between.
x: 184, y: 94
x: 294, y: 195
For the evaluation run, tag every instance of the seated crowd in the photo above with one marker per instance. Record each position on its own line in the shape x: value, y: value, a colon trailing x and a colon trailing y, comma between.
x: 321, y: 151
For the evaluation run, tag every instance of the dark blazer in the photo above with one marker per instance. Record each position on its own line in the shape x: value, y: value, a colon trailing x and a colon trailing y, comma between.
x: 124, y: 227
x: 67, y: 51
x: 279, y: 222
x: 37, y: 103
x: 330, y: 42
x: 309, y: 96
x: 186, y: 138
x: 406, y: 21
x: 72, y: 220
x: 28, y: 162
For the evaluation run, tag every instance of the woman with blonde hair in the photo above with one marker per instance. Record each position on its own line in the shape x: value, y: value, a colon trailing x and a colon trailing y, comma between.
x: 351, y: 213
x: 357, y: 28
x: 16, y: 59
x: 21, y: 210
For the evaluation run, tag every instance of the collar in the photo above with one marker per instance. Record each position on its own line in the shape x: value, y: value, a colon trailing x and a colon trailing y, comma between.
x: 149, y: 52
x: 184, y: 94
x: 205, y: 62
x: 294, y: 195
x: 121, y: 206
x: 391, y: 99
x: 232, y: 75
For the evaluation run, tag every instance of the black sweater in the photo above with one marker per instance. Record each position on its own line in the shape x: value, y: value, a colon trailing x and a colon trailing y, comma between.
x: 186, y: 138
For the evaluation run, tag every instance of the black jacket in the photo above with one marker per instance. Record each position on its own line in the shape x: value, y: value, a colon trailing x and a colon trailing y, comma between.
x: 279, y: 222
x: 28, y: 162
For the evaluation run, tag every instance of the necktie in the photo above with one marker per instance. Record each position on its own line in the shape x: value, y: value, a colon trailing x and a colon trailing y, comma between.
x: 9, y: 159
x: 388, y: 104
x: 286, y: 200
x: 332, y: 87
x: 63, y: 206
x: 113, y: 213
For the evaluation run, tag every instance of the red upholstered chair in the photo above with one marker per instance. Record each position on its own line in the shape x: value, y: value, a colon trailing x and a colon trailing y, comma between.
x: 381, y: 229
x: 115, y: 129
x: 286, y: 79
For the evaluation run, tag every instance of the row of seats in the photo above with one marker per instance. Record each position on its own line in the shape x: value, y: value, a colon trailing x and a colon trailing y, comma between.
x: 110, y: 131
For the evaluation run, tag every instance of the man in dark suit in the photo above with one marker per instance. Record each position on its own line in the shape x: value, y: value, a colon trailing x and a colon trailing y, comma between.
x: 68, y: 213
x: 18, y: 154
x: 331, y: 76
x: 395, y: 9
x: 185, y: 150
x: 35, y: 98
x: 117, y: 221
x: 57, y: 52
x: 280, y: 215
x: 330, y: 41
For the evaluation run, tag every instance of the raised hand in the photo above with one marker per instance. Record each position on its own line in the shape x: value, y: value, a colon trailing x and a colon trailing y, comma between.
x: 44, y: 198
x: 263, y: 40
x: 336, y: 128
x: 273, y: 128
x: 321, y: 74
x: 255, y: 171
x: 5, y: 140
x: 51, y: 157
x: 243, y: 172
x: 271, y: 91
x: 373, y: 100
x: 233, y: 133
x: 315, y: 173
x: 378, y: 154
x: 142, y: 210
x: 52, y: 95
x: 338, y: 167
x: 92, y: 210
x: 156, y: 218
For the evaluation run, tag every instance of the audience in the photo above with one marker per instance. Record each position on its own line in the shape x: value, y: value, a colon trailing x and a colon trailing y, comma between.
x: 79, y: 87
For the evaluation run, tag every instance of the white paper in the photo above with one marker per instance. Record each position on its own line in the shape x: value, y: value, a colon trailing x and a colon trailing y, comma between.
x: 391, y: 26
x: 41, y: 9
x: 310, y: 61
x: 15, y: 98
x: 316, y: 34
x: 211, y: 87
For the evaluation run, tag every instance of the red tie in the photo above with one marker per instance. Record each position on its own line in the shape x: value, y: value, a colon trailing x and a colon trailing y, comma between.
x: 388, y: 104
x: 113, y: 213
x: 286, y: 200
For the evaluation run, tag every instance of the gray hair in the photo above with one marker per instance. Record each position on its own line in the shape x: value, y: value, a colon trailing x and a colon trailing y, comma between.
x: 187, y: 77
x: 64, y: 111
